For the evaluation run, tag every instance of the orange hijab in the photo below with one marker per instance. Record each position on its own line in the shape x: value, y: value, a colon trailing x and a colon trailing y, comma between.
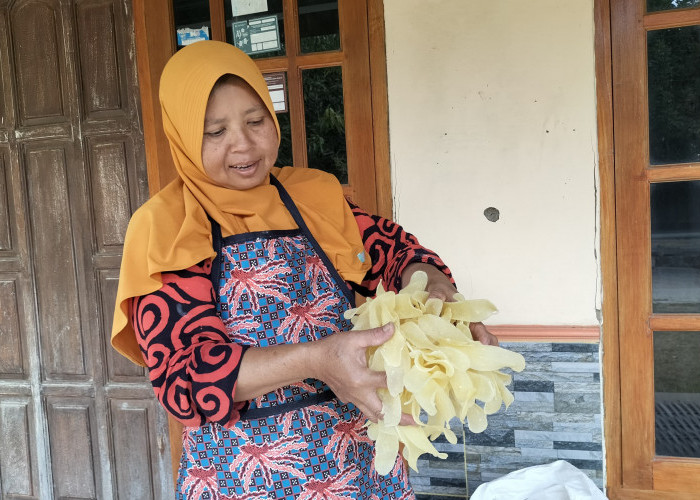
x: 171, y: 231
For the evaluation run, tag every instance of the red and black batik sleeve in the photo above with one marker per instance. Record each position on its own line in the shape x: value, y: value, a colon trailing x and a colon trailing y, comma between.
x: 391, y: 249
x: 192, y: 364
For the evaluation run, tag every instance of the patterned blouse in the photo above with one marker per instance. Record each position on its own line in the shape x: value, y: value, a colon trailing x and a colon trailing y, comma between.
x: 193, y: 365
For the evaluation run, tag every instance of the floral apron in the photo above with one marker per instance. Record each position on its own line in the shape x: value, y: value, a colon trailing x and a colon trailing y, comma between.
x: 300, y: 441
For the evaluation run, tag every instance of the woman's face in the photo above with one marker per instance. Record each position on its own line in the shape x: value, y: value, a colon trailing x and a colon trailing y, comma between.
x: 239, y: 146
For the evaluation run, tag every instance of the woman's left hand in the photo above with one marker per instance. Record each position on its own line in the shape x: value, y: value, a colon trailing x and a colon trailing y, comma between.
x: 440, y: 287
x: 480, y: 333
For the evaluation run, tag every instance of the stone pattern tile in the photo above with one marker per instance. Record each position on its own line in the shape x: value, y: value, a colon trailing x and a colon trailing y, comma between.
x: 556, y: 415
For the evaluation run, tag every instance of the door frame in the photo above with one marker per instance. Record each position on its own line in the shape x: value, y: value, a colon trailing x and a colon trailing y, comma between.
x: 610, y: 356
x: 632, y: 469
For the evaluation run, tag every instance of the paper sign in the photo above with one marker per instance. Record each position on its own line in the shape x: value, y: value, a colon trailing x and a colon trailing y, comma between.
x: 186, y: 36
x: 245, y: 7
x: 277, y: 86
x: 255, y: 36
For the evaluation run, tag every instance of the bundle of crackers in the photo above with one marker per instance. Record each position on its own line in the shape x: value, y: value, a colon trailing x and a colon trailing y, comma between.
x: 435, y: 370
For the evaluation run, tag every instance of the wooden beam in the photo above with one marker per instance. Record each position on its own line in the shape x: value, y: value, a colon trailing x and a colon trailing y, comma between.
x: 676, y: 474
x: 294, y: 85
x: 546, y: 333
x: 671, y: 18
x: 633, y: 494
x: 632, y: 243
x: 380, y: 106
x: 218, y: 20
x: 608, y: 249
x: 155, y: 44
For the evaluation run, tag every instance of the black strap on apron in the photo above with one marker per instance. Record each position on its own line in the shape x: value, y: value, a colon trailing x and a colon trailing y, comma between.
x: 294, y: 211
x: 217, y: 243
x: 268, y: 411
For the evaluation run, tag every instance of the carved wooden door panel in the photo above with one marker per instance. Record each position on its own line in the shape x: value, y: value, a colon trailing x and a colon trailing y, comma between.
x: 76, y: 420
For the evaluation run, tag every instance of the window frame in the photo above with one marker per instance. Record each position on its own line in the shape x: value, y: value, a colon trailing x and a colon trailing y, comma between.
x: 633, y: 471
x: 363, y: 58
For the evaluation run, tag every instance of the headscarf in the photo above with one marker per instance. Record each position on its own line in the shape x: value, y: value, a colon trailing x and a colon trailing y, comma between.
x: 171, y: 231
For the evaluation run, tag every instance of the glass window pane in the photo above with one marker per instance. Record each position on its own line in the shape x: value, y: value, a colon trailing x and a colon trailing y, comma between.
x: 325, y: 120
x: 674, y: 95
x: 192, y: 21
x: 258, y: 33
x: 677, y: 393
x: 657, y: 5
x: 284, y: 156
x: 318, y: 26
x: 675, y: 247
x: 277, y: 86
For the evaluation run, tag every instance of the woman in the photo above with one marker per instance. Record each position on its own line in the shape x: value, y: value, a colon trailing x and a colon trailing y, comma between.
x: 232, y: 290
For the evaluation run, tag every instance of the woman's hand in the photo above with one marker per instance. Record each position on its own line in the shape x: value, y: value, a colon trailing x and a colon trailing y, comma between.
x: 341, y: 362
x: 440, y: 287
x: 480, y: 333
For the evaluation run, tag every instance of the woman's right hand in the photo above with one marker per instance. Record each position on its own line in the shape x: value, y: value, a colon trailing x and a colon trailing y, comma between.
x: 341, y: 362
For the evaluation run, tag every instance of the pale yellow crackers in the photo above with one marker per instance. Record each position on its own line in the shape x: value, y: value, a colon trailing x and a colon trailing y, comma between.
x: 435, y: 370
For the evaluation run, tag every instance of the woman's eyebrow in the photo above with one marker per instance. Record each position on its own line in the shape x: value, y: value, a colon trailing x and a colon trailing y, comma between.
x: 254, y: 109
x: 214, y: 121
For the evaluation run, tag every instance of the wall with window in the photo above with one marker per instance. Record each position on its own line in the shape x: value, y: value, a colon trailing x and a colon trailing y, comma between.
x: 492, y: 108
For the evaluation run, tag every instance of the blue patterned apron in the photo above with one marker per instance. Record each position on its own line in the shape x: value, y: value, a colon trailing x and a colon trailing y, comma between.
x: 300, y: 441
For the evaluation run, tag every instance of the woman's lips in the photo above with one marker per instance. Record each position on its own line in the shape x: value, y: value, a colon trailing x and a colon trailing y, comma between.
x: 244, y: 167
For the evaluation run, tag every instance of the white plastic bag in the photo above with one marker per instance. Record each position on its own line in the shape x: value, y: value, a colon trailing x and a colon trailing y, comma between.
x: 556, y: 481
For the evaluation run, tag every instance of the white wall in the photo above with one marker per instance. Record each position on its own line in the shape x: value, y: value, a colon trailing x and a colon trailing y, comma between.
x: 492, y: 104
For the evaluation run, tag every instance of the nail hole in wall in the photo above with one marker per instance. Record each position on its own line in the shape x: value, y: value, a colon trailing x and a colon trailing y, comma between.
x: 492, y: 214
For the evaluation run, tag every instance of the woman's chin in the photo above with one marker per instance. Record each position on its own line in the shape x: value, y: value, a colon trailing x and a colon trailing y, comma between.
x: 245, y: 180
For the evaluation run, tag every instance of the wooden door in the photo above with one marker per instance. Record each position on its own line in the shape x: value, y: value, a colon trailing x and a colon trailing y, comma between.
x: 76, y: 420
x: 656, y: 96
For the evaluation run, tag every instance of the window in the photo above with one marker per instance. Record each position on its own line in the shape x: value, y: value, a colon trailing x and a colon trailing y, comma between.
x: 324, y: 64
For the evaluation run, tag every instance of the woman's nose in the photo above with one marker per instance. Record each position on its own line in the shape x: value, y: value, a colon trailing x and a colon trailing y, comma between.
x: 240, y: 140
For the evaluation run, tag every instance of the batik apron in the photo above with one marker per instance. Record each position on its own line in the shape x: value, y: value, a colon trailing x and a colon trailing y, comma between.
x: 300, y: 441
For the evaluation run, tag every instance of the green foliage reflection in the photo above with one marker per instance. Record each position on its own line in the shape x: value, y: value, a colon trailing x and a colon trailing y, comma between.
x: 657, y: 5
x: 325, y: 121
